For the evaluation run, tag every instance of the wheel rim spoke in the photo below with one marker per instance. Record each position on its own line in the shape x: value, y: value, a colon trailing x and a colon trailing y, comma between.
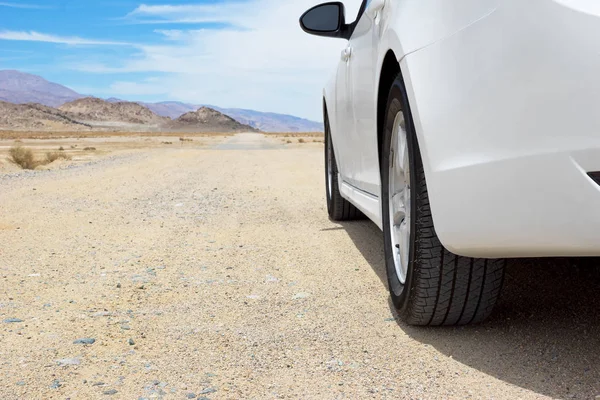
x: 399, y: 198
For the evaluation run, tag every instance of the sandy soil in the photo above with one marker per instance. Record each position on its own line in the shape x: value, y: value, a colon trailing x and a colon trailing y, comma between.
x: 210, y: 270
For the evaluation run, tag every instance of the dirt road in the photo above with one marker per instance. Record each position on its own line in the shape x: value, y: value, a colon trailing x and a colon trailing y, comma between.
x: 214, y: 273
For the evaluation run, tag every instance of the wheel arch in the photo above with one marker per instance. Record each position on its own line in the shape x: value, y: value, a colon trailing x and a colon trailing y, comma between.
x: 389, y: 70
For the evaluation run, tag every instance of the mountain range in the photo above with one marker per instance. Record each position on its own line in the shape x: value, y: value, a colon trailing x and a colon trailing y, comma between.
x: 20, y: 88
x: 93, y: 114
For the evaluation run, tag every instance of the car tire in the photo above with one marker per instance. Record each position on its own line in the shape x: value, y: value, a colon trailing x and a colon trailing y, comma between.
x: 429, y: 285
x: 339, y: 209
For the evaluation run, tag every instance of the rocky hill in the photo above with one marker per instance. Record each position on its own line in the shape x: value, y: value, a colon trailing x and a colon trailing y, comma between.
x: 208, y: 120
x: 36, y: 117
x: 92, y: 110
x: 264, y: 121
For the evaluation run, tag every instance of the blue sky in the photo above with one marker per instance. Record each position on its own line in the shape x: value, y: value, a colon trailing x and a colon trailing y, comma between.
x: 230, y: 53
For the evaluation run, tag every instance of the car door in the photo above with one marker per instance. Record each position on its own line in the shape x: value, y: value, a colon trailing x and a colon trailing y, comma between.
x: 343, y: 118
x: 362, y: 93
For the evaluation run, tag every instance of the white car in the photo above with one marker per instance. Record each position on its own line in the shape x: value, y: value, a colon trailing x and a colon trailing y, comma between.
x: 469, y: 132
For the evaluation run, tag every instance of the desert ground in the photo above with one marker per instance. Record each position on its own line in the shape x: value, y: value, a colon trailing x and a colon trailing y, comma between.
x: 208, y: 269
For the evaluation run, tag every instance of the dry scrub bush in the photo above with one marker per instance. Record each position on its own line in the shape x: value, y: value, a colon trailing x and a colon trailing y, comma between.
x: 89, y: 149
x: 23, y: 157
x: 56, y: 155
x: 301, y: 140
x: 288, y: 141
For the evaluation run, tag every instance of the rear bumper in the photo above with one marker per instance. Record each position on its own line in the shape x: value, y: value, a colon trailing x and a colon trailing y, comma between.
x: 507, y: 113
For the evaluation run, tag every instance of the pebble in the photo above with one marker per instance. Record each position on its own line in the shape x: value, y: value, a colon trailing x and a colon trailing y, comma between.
x: 131, y: 342
x: 68, y: 361
x: 12, y: 320
x: 110, y: 392
x: 191, y: 395
x: 101, y: 314
x: 55, y: 384
x: 85, y: 341
x: 208, y: 391
x: 21, y: 383
x: 300, y: 296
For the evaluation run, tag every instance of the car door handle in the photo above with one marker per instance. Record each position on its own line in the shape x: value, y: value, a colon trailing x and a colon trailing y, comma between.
x: 346, y: 53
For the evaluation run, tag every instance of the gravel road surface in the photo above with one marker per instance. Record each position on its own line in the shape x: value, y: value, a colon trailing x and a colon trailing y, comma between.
x: 214, y: 273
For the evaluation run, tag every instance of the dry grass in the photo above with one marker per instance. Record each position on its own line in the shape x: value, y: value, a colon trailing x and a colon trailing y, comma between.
x: 23, y: 157
x: 56, y: 155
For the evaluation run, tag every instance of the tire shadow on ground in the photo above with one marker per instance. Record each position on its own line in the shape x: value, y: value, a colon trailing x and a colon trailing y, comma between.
x: 544, y: 334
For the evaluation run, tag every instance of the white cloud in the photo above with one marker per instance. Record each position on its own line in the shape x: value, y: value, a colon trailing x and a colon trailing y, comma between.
x: 33, y: 36
x: 21, y: 5
x: 261, y: 60
x: 193, y: 14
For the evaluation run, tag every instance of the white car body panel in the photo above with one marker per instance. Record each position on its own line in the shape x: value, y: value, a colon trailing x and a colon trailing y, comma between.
x: 503, y: 94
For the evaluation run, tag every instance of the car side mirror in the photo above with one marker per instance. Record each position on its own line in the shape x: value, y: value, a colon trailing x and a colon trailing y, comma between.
x: 327, y: 19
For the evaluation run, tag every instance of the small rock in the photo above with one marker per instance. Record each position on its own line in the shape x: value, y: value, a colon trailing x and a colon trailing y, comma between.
x: 85, y: 341
x: 191, y: 396
x: 208, y: 391
x: 21, y: 383
x: 300, y: 296
x: 68, y: 361
x: 125, y: 327
x: 118, y: 286
x: 12, y: 320
x: 110, y: 392
x: 55, y: 384
x: 101, y: 314
x: 131, y: 342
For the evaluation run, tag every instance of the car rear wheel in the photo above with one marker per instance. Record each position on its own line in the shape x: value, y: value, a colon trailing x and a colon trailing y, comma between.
x: 339, y: 209
x: 428, y: 284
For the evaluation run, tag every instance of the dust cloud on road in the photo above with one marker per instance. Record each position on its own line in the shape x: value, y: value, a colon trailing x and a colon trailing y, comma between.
x: 214, y: 273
